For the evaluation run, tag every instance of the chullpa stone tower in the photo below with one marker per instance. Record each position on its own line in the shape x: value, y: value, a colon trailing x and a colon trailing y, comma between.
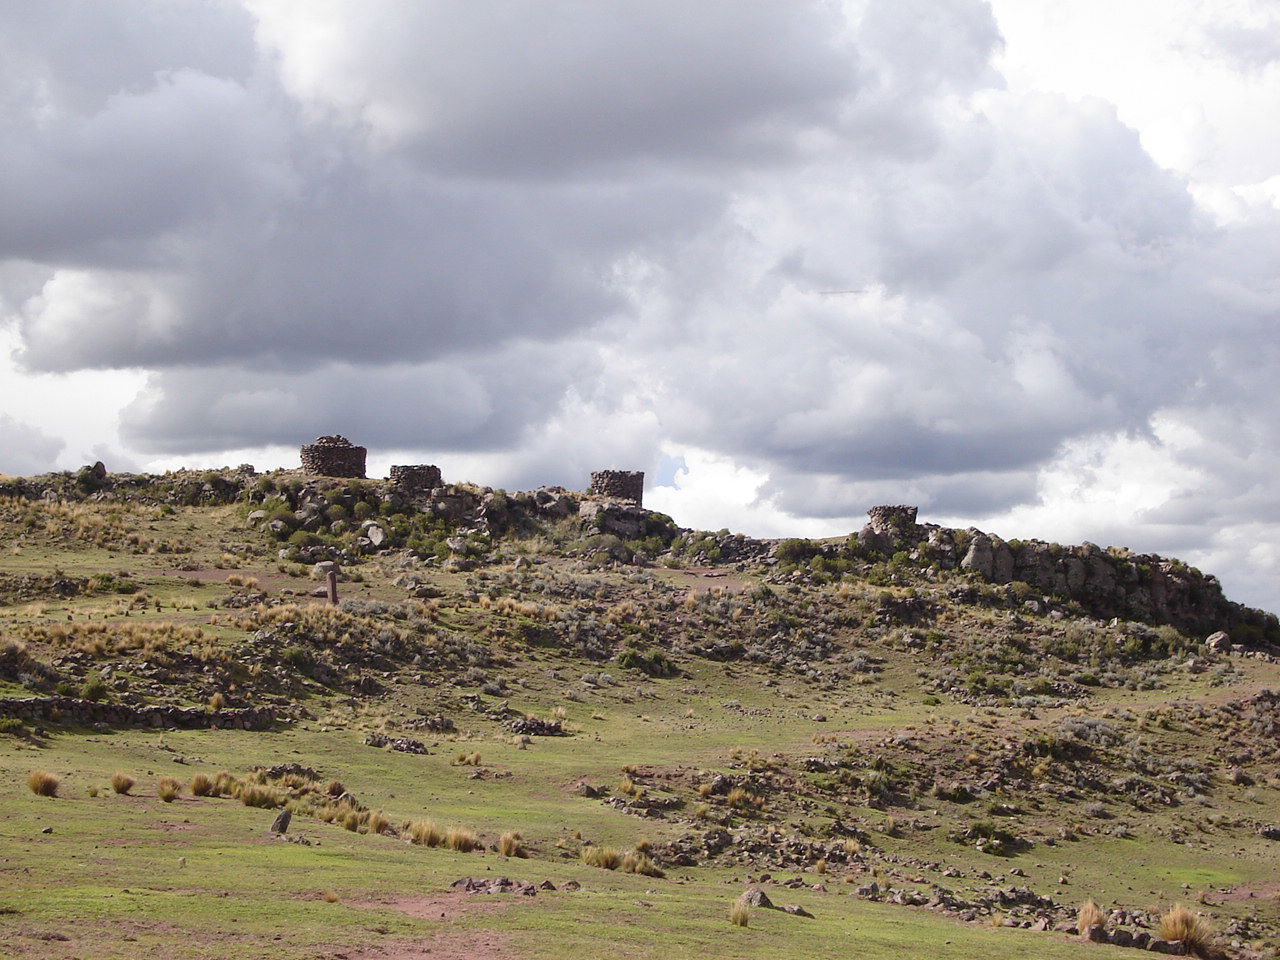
x: 334, y: 456
x: 625, y: 485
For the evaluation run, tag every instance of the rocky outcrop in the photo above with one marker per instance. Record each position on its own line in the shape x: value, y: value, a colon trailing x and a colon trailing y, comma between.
x: 75, y: 711
x: 1107, y: 583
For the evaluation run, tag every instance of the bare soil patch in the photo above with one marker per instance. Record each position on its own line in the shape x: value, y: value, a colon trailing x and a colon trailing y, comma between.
x: 446, y: 942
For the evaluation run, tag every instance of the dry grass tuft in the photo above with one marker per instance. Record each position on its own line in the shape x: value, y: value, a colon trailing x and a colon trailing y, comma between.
x: 606, y: 858
x: 378, y: 823
x: 329, y: 897
x: 510, y: 845
x: 1088, y: 916
x: 202, y: 785
x: 424, y: 833
x: 462, y: 840
x: 168, y: 788
x: 1191, y: 928
x: 639, y: 862
x: 739, y: 914
x: 43, y: 783
x: 122, y: 783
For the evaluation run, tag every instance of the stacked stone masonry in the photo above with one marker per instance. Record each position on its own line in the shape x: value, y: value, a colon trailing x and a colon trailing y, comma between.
x: 334, y: 457
x: 625, y: 485
x: 419, y: 478
x: 74, y: 710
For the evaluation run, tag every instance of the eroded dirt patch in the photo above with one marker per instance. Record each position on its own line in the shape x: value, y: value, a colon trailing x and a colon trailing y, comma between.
x: 445, y: 942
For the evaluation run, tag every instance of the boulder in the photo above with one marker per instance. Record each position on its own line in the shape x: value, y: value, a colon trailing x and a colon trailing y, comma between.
x: 755, y: 897
x: 281, y: 823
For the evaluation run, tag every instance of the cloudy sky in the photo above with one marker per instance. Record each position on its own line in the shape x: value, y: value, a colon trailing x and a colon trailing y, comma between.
x: 1013, y: 261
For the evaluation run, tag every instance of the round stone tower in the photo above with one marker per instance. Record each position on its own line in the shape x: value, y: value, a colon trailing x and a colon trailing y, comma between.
x: 334, y: 457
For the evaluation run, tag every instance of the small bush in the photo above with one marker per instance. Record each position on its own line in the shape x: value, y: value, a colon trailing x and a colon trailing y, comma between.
x: 739, y: 914
x: 202, y: 785
x: 168, y: 788
x: 1191, y: 928
x: 43, y: 783
x: 122, y: 783
x: 1088, y: 916
x: 94, y: 688
x: 510, y: 845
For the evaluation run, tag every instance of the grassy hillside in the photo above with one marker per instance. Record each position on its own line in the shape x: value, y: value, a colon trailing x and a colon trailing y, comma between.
x: 927, y: 762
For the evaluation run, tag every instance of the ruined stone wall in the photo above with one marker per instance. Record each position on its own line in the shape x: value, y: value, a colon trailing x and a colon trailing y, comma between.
x: 416, y: 478
x: 77, y: 711
x: 334, y: 456
x: 618, y: 485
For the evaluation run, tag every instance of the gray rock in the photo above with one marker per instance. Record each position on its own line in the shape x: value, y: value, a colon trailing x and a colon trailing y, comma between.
x: 281, y: 823
x: 755, y: 897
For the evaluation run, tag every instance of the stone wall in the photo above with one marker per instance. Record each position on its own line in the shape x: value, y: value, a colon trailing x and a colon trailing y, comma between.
x: 334, y: 456
x: 83, y: 712
x: 418, y: 478
x: 618, y: 485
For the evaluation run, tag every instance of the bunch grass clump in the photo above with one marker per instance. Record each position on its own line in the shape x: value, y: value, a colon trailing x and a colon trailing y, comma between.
x: 122, y: 783
x: 43, y: 783
x: 424, y: 833
x: 1192, y: 929
x: 637, y: 861
x: 1088, y: 916
x: 739, y: 914
x: 168, y: 789
x: 510, y: 844
x: 461, y: 839
x: 606, y: 858
x: 202, y: 785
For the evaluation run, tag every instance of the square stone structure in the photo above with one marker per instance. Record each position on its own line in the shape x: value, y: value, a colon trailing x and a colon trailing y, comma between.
x: 416, y: 478
x: 334, y: 456
x: 626, y: 485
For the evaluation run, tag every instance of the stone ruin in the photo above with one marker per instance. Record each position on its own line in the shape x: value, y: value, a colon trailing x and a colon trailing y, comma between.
x: 334, y: 456
x: 627, y: 485
x: 415, y: 479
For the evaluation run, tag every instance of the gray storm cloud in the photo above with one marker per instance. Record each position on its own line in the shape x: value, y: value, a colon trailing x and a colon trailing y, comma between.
x: 822, y: 239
